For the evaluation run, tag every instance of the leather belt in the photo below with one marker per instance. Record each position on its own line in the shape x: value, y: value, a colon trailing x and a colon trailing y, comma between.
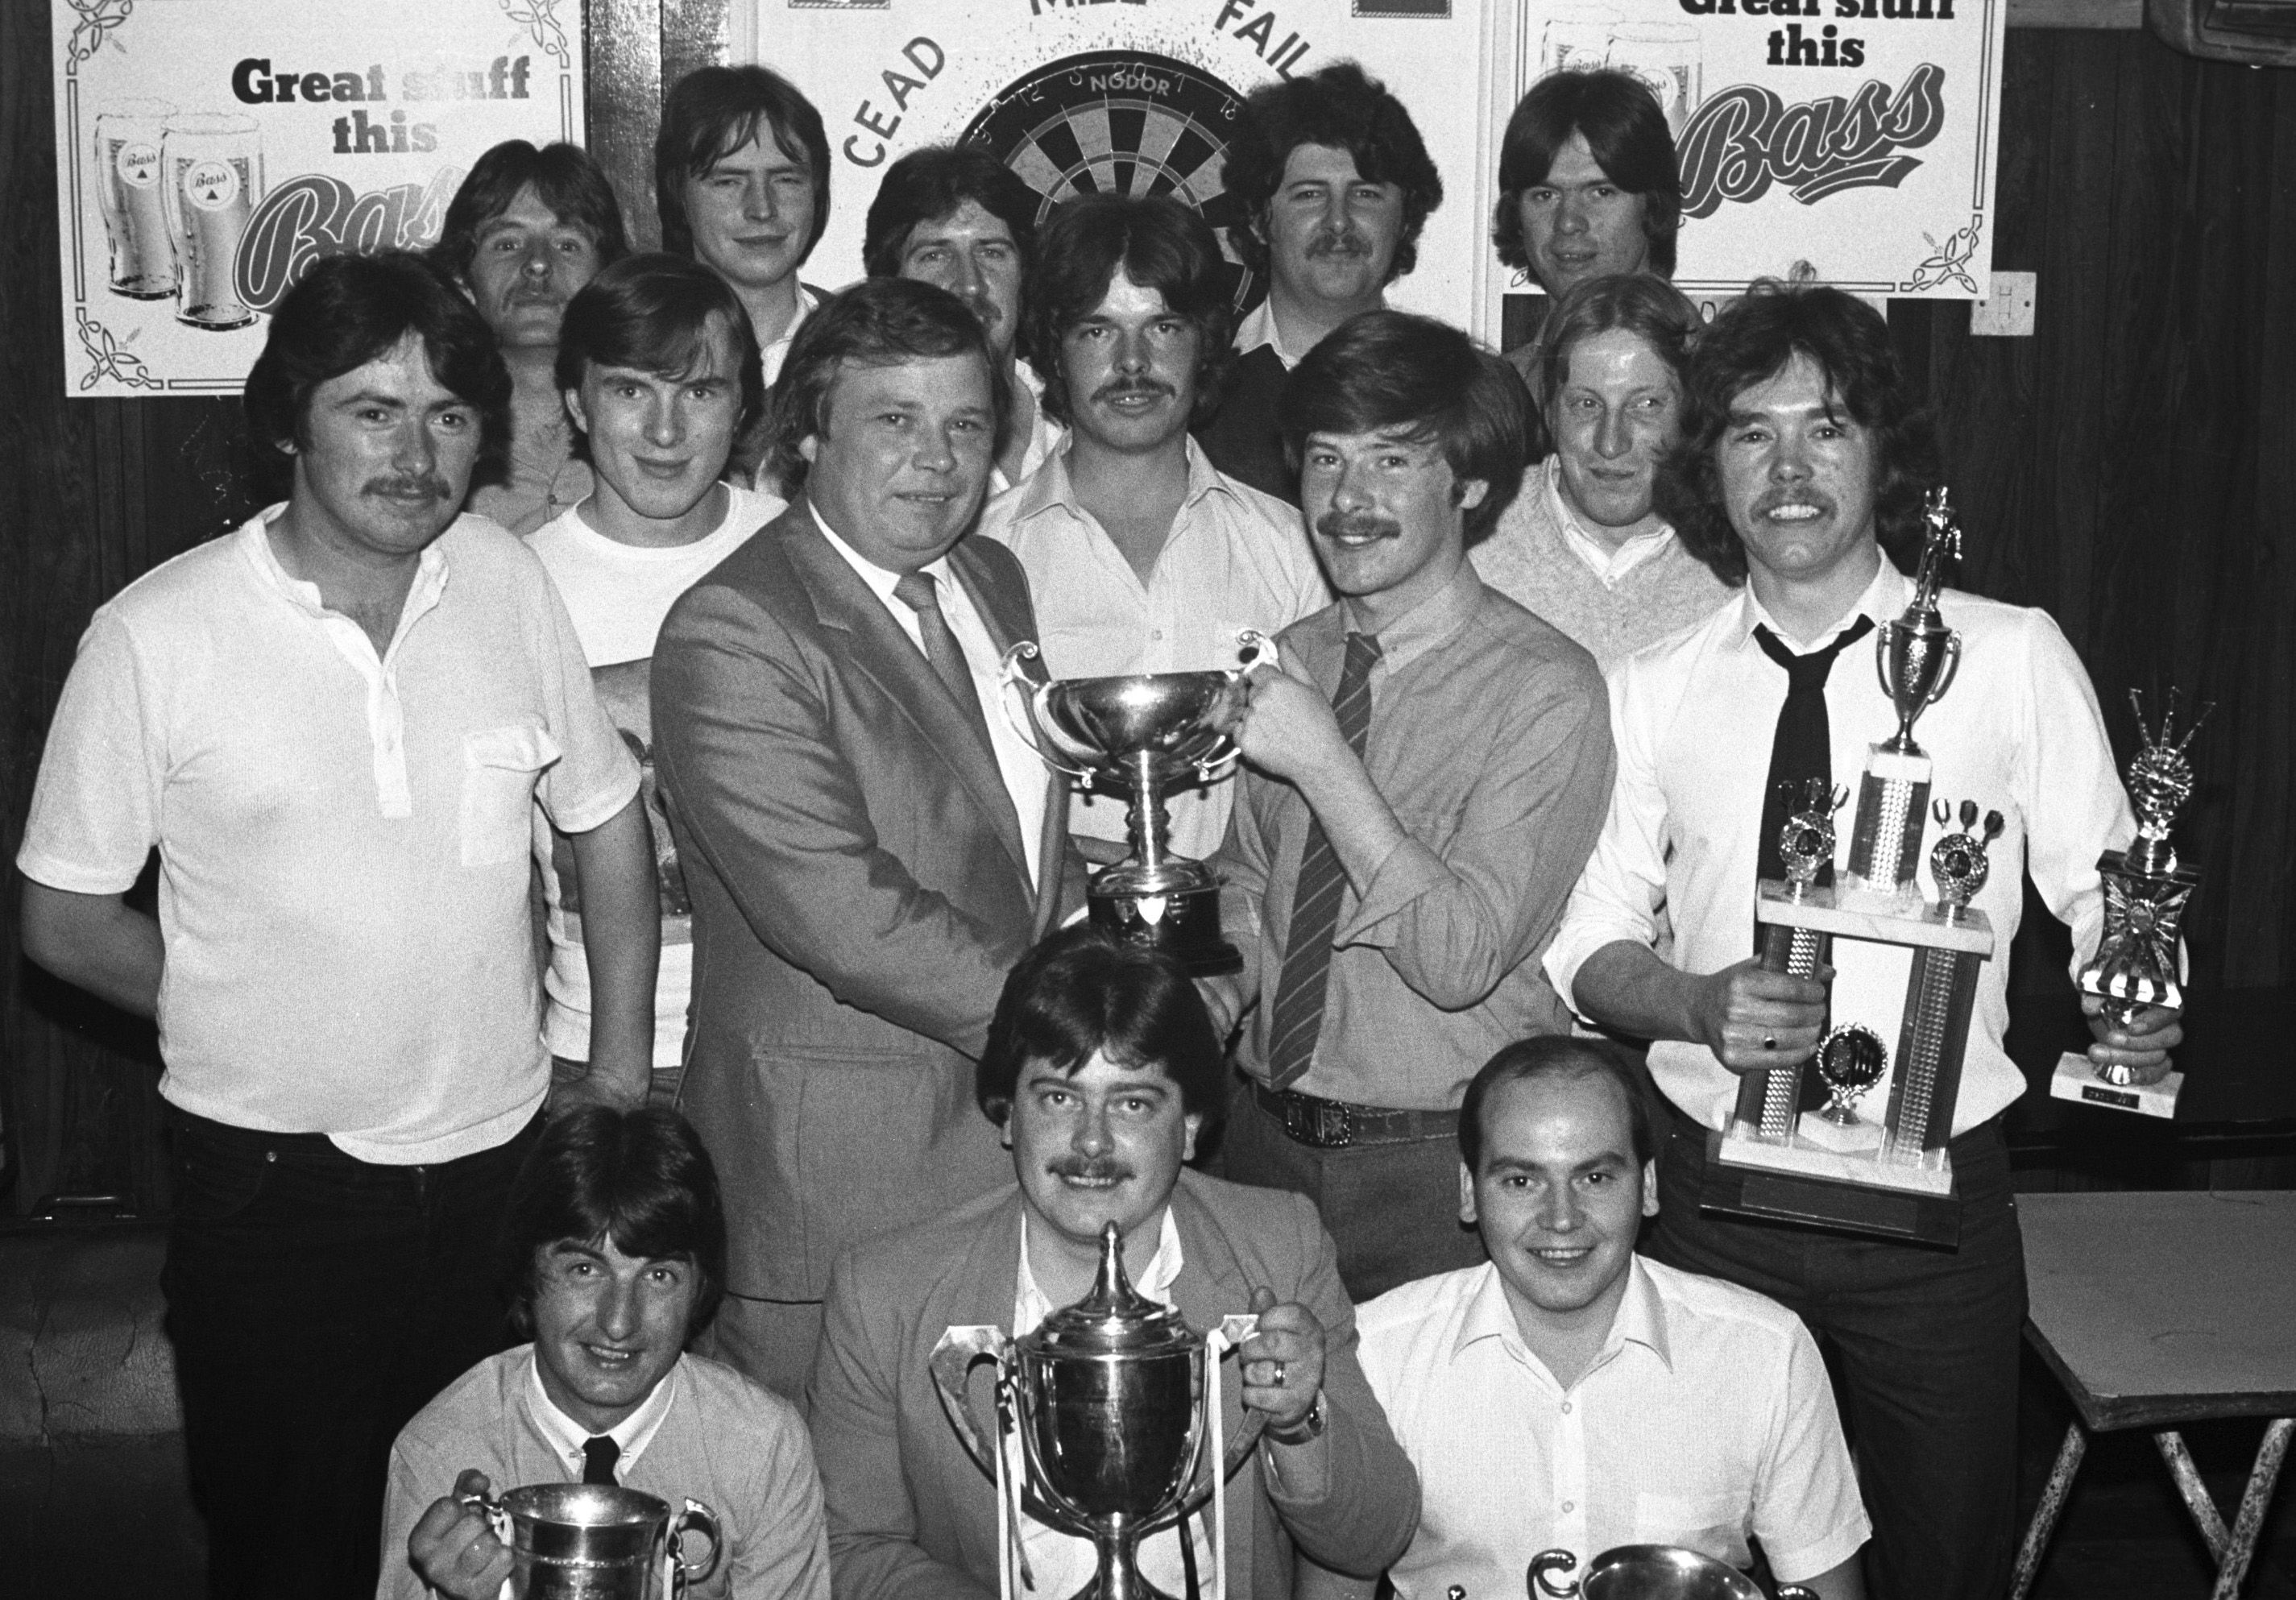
x: 1323, y: 1124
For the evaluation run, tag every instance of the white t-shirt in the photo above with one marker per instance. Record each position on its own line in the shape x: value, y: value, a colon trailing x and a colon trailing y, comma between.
x: 618, y: 594
x: 343, y: 838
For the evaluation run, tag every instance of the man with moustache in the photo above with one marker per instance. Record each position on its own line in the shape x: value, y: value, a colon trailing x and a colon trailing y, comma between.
x: 659, y: 375
x: 1570, y: 1394
x: 1589, y: 187
x: 1337, y: 185
x: 527, y: 229
x: 1426, y: 774
x: 868, y: 847
x: 334, y: 725
x: 1582, y: 546
x: 1102, y: 1072
x: 1804, y: 459
x: 740, y: 173
x: 1142, y: 556
x: 955, y: 215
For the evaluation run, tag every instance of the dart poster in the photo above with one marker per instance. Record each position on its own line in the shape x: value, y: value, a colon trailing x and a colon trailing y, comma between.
x: 207, y: 151
x: 1858, y: 136
x: 1134, y: 96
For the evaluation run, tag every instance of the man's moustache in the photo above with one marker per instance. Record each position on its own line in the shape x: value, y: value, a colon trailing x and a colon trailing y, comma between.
x: 1344, y: 524
x: 1345, y: 242
x: 437, y: 488
x: 1093, y: 1171
x: 1132, y: 386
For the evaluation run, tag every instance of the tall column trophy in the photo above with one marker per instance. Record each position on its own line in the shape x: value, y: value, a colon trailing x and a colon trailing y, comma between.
x: 1110, y: 1426
x: 1139, y: 735
x: 1905, y: 980
x: 2146, y: 891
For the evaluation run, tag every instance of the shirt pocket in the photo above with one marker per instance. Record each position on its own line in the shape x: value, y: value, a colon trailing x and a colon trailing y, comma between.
x: 1712, y: 1525
x: 500, y: 768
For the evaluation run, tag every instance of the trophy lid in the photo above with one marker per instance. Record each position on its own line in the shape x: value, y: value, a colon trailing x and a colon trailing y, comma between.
x: 1115, y: 1317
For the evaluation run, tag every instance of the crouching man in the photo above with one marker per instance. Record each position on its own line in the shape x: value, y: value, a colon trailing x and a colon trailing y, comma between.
x: 1102, y: 1070
x: 615, y: 1243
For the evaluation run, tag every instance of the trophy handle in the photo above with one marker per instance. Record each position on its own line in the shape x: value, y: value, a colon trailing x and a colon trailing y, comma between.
x: 1255, y: 650
x: 696, y: 1518
x: 1952, y: 666
x: 952, y: 1363
x: 1014, y: 684
x: 1536, y: 1583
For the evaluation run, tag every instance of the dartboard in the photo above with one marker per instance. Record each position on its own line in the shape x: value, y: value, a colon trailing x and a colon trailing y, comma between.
x: 1122, y: 122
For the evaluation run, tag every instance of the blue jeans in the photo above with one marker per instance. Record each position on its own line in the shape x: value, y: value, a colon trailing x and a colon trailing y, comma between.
x: 317, y: 1302
x: 1923, y: 1346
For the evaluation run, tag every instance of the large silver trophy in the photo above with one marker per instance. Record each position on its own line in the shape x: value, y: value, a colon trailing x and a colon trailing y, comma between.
x: 2146, y: 890
x: 1115, y: 1404
x: 1141, y: 736
x: 597, y: 1541
x: 1647, y: 1572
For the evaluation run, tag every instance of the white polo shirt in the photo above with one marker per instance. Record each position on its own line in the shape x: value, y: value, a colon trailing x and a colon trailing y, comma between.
x: 1706, y: 1418
x: 344, y: 839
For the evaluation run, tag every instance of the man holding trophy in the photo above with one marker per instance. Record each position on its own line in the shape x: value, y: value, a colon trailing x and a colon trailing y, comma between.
x: 1803, y: 460
x: 1102, y: 1071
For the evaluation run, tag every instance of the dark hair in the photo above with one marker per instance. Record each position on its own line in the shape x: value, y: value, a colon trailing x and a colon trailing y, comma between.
x: 1081, y: 992
x: 565, y: 178
x: 1752, y: 341
x: 711, y: 112
x: 1159, y: 244
x: 651, y: 313
x: 1389, y: 369
x: 1341, y: 107
x: 877, y: 322
x: 1652, y: 309
x: 350, y: 309
x: 1625, y: 132
x: 927, y: 185
x: 1557, y: 1055
x: 638, y: 1178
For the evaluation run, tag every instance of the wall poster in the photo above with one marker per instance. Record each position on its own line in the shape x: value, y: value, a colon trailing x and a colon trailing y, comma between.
x: 208, y: 150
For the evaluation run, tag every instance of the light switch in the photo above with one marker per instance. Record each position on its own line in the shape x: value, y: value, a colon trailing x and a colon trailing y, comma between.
x: 2007, y: 311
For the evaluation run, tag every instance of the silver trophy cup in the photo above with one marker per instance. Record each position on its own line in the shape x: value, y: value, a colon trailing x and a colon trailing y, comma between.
x: 1647, y: 1572
x: 595, y: 1541
x: 1141, y: 736
x: 1108, y: 1400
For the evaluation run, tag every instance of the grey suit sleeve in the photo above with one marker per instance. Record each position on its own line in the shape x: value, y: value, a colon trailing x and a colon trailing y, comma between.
x: 751, y: 754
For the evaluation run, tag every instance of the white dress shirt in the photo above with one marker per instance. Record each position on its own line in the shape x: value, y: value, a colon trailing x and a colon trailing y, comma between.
x: 1608, y: 565
x: 1706, y: 1417
x: 1692, y: 717
x: 567, y: 1437
x: 771, y: 356
x: 1017, y: 762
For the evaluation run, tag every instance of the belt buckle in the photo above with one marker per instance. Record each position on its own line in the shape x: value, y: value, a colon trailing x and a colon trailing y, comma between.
x: 1323, y: 1124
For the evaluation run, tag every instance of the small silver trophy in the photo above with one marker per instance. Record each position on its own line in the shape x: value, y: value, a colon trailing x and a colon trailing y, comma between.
x: 1916, y: 657
x: 597, y: 1541
x: 2146, y: 890
x: 1140, y: 735
x: 1958, y: 861
x: 1851, y: 1058
x: 1648, y: 1572
x: 1115, y: 1400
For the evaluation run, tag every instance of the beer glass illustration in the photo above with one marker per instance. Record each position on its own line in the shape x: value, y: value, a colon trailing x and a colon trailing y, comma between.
x: 212, y: 169
x: 129, y: 192
x: 1574, y: 38
x: 1665, y: 56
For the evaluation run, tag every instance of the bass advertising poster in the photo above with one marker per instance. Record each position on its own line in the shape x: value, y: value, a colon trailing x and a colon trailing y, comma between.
x: 1136, y: 97
x: 208, y: 153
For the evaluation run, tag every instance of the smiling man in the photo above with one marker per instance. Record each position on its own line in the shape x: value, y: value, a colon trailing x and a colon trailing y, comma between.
x: 333, y: 724
x: 659, y: 375
x: 1802, y: 468
x: 1570, y: 1395
x: 868, y: 843
x: 1427, y: 773
x: 1102, y: 1071
x: 616, y: 1240
x: 526, y: 230
x: 1337, y: 185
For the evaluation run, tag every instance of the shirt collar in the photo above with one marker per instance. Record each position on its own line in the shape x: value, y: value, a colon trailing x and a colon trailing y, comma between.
x: 1051, y: 485
x: 1882, y: 600
x: 1427, y: 624
x: 1610, y: 565
x: 255, y: 543
x: 1259, y: 329
x: 880, y: 581
x: 1640, y: 1319
x: 1155, y: 1280
x: 631, y: 1435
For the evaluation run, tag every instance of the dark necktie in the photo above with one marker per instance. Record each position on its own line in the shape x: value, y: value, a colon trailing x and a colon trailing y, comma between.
x: 1802, y: 748
x: 1299, y: 1014
x: 916, y: 591
x: 599, y: 1454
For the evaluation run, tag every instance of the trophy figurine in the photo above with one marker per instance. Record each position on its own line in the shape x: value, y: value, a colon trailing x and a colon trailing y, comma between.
x: 1851, y: 1058
x: 1140, y: 735
x: 1116, y: 1404
x: 1958, y: 861
x: 2146, y: 891
x: 1916, y: 657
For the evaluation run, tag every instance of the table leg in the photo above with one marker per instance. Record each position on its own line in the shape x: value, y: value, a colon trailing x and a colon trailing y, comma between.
x: 2233, y: 1569
x: 2045, y: 1514
x: 2197, y: 1499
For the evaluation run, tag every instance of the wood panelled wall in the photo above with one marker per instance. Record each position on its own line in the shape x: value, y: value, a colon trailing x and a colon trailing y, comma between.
x: 2132, y: 469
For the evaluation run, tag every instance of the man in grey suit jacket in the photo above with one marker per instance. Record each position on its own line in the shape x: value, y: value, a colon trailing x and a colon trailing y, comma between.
x: 1102, y: 1070
x: 868, y: 844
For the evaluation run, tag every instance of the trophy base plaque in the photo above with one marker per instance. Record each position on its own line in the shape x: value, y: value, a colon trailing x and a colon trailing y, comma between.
x: 1182, y: 921
x: 2076, y: 1079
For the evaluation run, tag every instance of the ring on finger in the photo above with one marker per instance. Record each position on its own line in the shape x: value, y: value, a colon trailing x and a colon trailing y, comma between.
x: 1277, y: 1381
x: 1769, y: 1041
